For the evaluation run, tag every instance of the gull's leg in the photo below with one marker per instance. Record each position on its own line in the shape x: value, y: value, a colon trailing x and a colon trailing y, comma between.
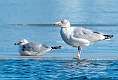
x: 79, y: 52
x: 78, y: 55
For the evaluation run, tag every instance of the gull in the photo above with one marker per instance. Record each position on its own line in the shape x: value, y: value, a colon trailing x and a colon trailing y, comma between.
x: 79, y: 37
x: 32, y: 49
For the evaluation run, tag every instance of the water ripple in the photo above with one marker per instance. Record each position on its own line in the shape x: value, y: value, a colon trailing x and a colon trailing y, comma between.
x: 58, y: 70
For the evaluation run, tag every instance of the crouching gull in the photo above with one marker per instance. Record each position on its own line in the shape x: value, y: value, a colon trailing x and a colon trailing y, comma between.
x: 78, y: 36
x: 32, y: 49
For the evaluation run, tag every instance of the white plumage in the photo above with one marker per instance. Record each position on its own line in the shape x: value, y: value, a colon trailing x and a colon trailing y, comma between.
x: 78, y: 36
x: 32, y: 49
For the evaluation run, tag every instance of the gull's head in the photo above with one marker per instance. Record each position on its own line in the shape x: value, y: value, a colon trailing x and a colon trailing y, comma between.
x: 63, y: 23
x: 22, y: 42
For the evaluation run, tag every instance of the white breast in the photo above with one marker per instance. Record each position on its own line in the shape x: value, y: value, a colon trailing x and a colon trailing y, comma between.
x: 66, y: 34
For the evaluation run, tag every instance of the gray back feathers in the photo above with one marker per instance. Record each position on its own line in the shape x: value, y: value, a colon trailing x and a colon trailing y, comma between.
x: 34, y: 47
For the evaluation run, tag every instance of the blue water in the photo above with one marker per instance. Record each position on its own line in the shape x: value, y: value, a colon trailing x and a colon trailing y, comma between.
x: 100, y: 15
x: 58, y: 70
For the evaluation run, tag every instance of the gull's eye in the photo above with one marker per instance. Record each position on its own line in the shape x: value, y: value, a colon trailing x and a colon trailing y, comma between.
x: 62, y: 22
x: 20, y: 42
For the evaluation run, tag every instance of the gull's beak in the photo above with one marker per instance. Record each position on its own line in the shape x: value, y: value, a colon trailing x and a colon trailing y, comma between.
x: 57, y: 23
x: 17, y: 43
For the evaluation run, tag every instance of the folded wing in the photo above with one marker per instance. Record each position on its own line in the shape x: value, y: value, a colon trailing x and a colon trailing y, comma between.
x: 39, y: 48
x: 80, y: 32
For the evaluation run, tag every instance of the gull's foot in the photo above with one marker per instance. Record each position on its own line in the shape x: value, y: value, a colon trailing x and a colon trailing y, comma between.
x: 81, y: 61
x: 76, y: 58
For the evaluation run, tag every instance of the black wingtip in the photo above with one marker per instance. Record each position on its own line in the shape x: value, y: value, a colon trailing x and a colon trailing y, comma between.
x: 108, y: 36
x: 56, y: 47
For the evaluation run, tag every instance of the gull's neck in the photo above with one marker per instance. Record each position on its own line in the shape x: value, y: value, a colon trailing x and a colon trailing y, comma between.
x: 66, y: 25
x: 66, y: 30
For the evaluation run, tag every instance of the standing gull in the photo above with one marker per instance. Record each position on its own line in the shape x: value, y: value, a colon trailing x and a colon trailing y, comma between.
x: 78, y: 36
x: 32, y: 49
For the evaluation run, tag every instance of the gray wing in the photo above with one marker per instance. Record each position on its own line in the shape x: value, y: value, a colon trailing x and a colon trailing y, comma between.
x: 35, y: 47
x: 80, y: 32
